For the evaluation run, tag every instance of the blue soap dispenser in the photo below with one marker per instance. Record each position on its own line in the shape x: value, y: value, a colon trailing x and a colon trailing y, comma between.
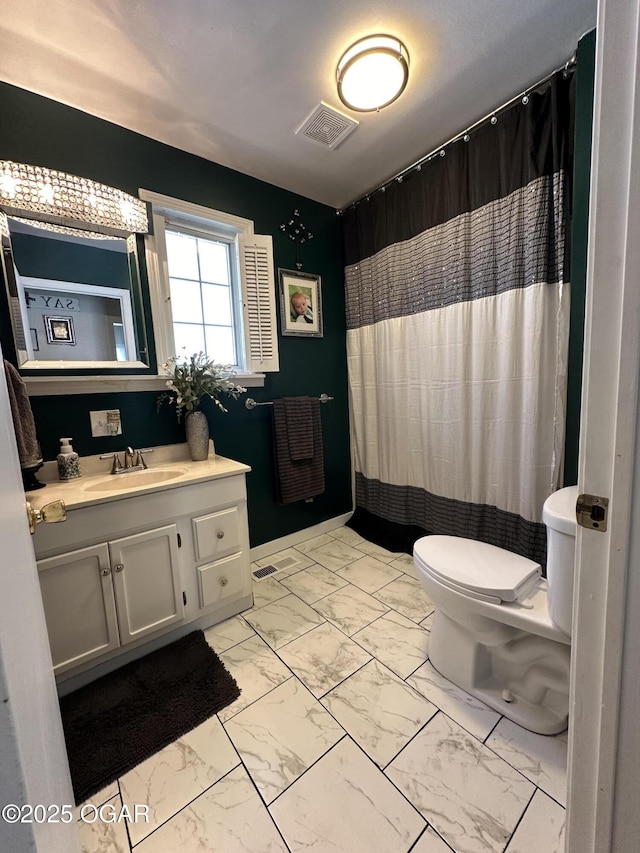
x: 68, y: 461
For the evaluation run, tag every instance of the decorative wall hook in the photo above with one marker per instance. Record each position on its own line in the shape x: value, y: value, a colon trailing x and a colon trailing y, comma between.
x: 298, y: 233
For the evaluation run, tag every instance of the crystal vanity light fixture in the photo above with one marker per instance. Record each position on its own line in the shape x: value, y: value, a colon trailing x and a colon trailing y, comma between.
x: 64, y: 198
x: 64, y: 229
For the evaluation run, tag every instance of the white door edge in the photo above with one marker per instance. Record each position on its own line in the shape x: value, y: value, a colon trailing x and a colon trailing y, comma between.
x: 607, y: 442
x: 33, y: 759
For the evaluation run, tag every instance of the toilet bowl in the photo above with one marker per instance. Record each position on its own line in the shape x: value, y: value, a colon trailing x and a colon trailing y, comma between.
x: 501, y: 631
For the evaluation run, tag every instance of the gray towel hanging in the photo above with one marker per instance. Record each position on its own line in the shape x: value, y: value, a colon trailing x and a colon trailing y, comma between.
x: 298, y: 449
x: 23, y: 422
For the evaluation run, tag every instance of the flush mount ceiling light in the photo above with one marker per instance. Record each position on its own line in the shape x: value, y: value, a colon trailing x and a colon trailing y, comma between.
x: 372, y: 73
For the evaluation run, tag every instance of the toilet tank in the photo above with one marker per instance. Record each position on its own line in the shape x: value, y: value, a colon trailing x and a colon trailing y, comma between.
x: 559, y: 515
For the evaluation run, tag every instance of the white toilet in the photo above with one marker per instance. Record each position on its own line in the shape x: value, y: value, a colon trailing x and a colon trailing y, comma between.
x: 501, y: 631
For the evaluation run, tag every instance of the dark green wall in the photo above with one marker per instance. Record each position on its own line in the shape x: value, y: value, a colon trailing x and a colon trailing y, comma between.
x: 39, y: 131
x: 586, y: 55
x: 42, y: 257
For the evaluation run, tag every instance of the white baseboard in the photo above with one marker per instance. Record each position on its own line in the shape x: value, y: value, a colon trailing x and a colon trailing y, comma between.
x: 294, y: 539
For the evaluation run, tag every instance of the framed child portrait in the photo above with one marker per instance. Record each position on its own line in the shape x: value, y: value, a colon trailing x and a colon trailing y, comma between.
x: 300, y: 303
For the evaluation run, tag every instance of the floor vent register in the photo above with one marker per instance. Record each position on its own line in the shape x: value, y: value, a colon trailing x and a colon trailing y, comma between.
x: 275, y: 567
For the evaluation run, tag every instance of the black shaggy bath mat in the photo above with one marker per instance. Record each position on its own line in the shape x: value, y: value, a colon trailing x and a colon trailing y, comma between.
x: 114, y: 723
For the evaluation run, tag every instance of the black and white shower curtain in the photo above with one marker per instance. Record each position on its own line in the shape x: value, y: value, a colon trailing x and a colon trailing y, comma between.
x: 457, y: 332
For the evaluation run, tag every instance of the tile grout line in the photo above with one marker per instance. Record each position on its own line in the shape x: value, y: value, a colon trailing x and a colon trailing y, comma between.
x: 304, y: 633
x: 411, y: 739
x: 520, y: 819
x: 262, y: 799
x: 392, y: 783
x: 191, y: 801
x: 424, y: 832
x: 501, y: 717
x: 388, y: 669
x: 335, y: 687
x: 126, y: 822
x: 524, y: 776
x: 307, y: 769
x: 551, y: 797
x: 324, y: 618
x: 257, y: 699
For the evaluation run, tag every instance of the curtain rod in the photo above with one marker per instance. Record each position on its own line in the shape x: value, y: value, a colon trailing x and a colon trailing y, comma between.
x: 567, y: 68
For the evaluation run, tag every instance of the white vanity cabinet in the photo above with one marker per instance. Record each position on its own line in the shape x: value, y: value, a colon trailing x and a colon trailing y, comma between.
x: 125, y: 571
x: 100, y: 598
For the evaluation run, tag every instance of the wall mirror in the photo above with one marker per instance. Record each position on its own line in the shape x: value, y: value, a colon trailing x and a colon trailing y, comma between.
x: 71, y: 269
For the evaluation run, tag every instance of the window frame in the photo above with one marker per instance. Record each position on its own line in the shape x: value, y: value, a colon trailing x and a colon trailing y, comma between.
x: 216, y: 223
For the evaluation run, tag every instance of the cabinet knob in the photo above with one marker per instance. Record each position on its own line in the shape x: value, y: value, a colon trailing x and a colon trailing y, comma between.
x: 105, y: 572
x: 224, y: 581
x: 220, y: 534
x: 118, y: 568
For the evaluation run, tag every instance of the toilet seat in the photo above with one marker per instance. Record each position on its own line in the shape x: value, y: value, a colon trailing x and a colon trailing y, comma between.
x: 477, y: 569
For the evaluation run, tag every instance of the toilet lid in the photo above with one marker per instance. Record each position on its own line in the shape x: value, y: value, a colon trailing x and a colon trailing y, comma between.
x: 477, y: 567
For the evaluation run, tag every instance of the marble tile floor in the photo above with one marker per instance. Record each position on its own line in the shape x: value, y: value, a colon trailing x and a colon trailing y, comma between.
x: 344, y: 737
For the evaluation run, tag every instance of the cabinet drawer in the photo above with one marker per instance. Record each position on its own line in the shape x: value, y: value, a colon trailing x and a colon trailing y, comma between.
x: 221, y: 581
x: 217, y: 534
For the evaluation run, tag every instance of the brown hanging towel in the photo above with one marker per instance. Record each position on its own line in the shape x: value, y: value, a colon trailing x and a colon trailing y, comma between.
x: 299, y: 455
x: 23, y: 423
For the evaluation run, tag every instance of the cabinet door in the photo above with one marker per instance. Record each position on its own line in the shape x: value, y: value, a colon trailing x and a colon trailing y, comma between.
x: 79, y: 606
x: 146, y: 580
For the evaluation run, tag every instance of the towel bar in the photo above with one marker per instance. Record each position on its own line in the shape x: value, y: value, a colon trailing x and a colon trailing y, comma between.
x: 250, y: 403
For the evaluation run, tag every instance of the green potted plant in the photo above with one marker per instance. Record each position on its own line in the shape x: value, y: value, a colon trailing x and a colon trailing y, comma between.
x: 191, y: 379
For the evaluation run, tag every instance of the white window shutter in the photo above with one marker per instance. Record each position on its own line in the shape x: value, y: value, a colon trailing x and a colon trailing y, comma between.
x: 259, y: 301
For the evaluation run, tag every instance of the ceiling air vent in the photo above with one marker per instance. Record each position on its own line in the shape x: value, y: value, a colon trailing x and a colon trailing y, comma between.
x: 327, y: 126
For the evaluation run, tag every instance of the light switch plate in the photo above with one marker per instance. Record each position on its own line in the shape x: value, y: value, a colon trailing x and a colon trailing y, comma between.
x: 105, y: 423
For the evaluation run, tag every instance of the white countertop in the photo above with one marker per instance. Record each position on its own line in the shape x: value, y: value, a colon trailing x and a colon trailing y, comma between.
x: 170, y: 460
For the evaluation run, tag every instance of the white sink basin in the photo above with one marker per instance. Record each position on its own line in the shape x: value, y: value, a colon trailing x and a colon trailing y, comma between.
x: 135, y: 480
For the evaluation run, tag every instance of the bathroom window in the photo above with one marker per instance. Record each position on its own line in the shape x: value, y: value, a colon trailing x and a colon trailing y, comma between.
x: 204, y: 295
x: 212, y: 287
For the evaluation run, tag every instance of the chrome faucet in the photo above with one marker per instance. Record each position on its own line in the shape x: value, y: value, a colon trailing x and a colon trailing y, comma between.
x: 129, y: 464
x: 140, y: 463
x: 116, y: 468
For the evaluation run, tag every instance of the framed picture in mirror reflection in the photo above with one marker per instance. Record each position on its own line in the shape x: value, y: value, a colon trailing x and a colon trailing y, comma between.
x: 59, y: 330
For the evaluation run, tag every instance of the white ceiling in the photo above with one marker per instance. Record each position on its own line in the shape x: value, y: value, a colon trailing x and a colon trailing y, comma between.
x: 232, y: 81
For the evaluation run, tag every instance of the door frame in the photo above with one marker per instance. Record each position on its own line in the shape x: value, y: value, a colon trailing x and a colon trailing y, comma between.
x: 604, y: 755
